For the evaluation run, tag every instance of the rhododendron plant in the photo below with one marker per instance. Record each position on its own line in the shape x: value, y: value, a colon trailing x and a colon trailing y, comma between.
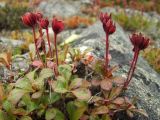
x: 67, y: 83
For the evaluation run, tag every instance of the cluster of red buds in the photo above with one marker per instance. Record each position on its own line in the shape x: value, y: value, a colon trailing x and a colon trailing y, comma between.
x: 32, y: 20
x: 139, y: 42
x: 109, y: 28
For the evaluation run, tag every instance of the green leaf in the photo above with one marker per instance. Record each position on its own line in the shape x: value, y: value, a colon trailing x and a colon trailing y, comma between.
x: 82, y: 93
x: 38, y: 84
x: 61, y: 85
x: 31, y: 75
x: 2, y: 115
x: 24, y: 84
x: 15, y: 95
x: 54, y: 114
x: 7, y: 106
x: 65, y: 71
x: 76, y: 109
x: 106, y: 117
x: 50, y: 99
x: 25, y: 118
x: 30, y: 105
x: 46, y: 73
x: 5, y: 116
x: 77, y: 82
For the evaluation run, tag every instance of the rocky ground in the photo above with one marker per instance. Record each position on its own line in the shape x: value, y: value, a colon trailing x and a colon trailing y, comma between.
x: 146, y: 83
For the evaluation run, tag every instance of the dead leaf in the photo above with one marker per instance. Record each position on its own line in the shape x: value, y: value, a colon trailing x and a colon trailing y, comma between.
x: 106, y: 85
x: 95, y: 82
x: 100, y: 110
x: 119, y: 101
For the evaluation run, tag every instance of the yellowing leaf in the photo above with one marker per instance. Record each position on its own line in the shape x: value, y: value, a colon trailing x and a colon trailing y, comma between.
x: 5, y: 58
x: 37, y: 95
x: 45, y: 73
x: 82, y: 93
x: 19, y: 111
x: 15, y: 95
x: 76, y: 83
x: 100, y: 110
x: 24, y: 84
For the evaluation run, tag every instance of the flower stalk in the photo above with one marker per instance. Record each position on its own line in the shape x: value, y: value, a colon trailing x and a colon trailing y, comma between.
x: 37, y: 51
x: 107, y: 52
x: 140, y: 43
x: 49, y: 43
x: 132, y: 68
x: 55, y: 45
x: 109, y: 28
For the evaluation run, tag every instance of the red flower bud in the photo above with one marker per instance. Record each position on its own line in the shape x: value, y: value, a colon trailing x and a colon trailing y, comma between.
x: 57, y: 26
x: 104, y: 17
x: 39, y: 16
x: 44, y: 23
x: 107, y: 22
x: 29, y: 19
x: 139, y: 41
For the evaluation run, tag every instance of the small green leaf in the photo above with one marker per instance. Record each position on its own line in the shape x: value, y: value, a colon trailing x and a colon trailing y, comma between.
x: 46, y: 73
x: 54, y: 114
x: 50, y: 99
x: 30, y: 105
x: 31, y: 75
x: 25, y: 118
x: 7, y: 106
x: 16, y: 94
x: 2, y: 115
x: 76, y: 109
x: 61, y: 85
x: 82, y: 93
x: 65, y: 71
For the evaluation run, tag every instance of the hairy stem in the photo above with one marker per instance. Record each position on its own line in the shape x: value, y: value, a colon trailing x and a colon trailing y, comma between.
x: 37, y: 51
x: 43, y: 45
x: 107, y: 52
x: 132, y: 68
x: 49, y: 43
x: 55, y: 44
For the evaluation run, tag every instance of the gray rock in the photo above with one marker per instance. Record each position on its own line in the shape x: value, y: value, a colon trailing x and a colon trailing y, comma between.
x: 61, y: 8
x: 11, y: 42
x: 145, y: 84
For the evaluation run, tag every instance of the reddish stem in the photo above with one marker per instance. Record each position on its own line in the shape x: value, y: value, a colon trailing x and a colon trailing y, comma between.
x: 49, y: 45
x: 41, y: 35
x: 34, y: 34
x: 132, y: 68
x: 107, y: 52
x: 55, y: 44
